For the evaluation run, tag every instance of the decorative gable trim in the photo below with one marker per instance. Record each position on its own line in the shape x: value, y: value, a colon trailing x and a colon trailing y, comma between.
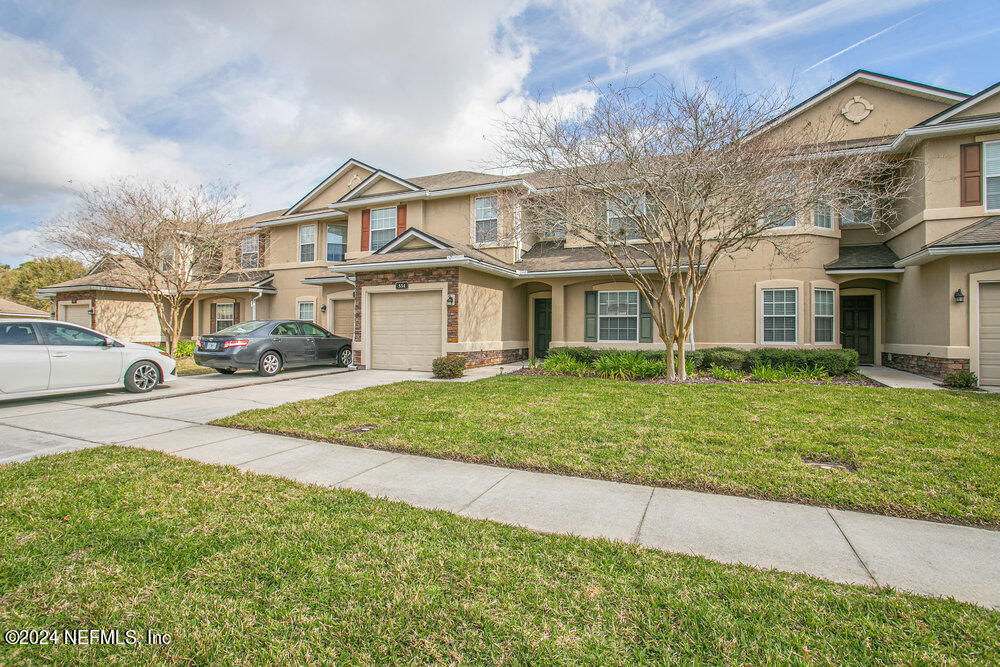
x: 962, y: 106
x: 361, y: 187
x: 412, y: 233
x: 327, y: 181
x: 873, y: 78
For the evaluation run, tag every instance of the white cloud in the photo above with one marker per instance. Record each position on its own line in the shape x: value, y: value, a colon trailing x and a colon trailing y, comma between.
x: 17, y: 244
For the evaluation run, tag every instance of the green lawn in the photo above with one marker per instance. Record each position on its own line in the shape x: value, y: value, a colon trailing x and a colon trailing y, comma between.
x: 930, y: 454
x: 244, y: 569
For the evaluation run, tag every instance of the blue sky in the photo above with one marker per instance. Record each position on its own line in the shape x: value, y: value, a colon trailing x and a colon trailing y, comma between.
x: 273, y: 96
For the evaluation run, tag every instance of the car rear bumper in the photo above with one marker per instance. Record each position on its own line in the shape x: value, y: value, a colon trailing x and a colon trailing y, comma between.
x: 226, y: 359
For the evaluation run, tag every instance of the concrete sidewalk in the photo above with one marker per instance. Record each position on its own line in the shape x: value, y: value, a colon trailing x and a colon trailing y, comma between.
x: 897, y: 379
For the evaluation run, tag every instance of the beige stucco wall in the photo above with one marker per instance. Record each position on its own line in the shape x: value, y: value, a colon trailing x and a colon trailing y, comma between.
x: 492, y: 313
x: 337, y: 189
x: 131, y: 317
x: 990, y: 105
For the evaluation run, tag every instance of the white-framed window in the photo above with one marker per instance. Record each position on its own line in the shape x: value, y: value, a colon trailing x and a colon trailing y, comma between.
x: 225, y: 315
x: 383, y: 227
x: 780, y: 313
x: 620, y: 222
x: 336, y: 242
x: 307, y: 310
x: 486, y: 224
x: 991, y: 175
x: 618, y: 316
x: 307, y: 243
x: 823, y: 216
x: 855, y: 215
x: 249, y: 252
x: 823, y: 314
x: 783, y: 217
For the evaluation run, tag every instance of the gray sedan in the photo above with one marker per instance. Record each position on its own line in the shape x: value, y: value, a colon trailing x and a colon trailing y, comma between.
x: 267, y: 346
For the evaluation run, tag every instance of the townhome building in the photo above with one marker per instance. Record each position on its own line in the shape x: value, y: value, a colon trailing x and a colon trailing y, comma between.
x: 416, y: 268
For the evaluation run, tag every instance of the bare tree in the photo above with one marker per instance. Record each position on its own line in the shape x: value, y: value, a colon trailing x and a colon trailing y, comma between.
x: 667, y: 180
x: 167, y: 241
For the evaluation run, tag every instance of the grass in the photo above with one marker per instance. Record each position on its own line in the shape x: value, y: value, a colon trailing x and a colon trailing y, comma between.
x: 186, y: 366
x: 245, y: 569
x: 928, y: 454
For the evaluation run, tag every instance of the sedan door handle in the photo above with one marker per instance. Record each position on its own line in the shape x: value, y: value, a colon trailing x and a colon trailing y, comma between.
x: 60, y: 354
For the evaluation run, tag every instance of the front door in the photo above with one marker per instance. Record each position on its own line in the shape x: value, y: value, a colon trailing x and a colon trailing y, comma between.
x: 857, y: 326
x: 543, y: 327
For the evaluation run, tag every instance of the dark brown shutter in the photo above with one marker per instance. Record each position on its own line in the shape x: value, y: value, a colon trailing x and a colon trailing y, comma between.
x: 366, y: 228
x: 971, y: 178
x: 211, y: 318
x: 400, y: 219
x: 236, y: 312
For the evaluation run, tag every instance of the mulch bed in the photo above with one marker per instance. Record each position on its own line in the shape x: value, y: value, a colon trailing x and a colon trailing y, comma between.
x: 851, y: 379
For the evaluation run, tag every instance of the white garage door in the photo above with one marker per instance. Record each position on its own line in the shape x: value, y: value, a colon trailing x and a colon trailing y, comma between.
x: 78, y: 314
x: 989, y: 333
x: 405, y: 330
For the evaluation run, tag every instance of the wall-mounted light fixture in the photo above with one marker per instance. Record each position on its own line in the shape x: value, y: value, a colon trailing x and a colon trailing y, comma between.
x: 322, y: 309
x: 959, y: 297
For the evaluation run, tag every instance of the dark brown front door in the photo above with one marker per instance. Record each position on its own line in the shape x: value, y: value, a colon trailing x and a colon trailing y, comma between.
x: 857, y: 326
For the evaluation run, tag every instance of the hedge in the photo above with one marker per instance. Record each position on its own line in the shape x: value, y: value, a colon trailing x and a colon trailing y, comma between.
x: 452, y: 366
x: 834, y: 362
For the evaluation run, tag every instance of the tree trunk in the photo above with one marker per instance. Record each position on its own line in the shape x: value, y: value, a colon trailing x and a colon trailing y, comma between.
x: 681, y: 360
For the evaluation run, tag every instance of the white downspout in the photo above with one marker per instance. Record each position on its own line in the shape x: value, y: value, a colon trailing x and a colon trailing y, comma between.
x: 253, y: 303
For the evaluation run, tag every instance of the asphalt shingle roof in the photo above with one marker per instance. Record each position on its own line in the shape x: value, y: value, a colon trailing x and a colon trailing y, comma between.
x: 877, y: 256
x: 983, y: 231
x: 8, y: 307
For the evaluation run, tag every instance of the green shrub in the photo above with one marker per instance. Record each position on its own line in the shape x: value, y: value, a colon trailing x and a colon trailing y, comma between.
x: 724, y: 357
x: 723, y: 373
x: 185, y: 348
x: 766, y: 373
x: 564, y: 363
x: 834, y: 362
x: 961, y: 380
x: 452, y: 366
x: 584, y: 355
x: 629, y: 365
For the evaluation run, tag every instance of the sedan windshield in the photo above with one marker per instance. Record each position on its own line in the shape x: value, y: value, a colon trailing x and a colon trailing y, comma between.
x: 241, y: 328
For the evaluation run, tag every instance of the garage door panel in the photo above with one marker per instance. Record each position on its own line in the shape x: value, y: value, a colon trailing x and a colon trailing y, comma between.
x: 78, y: 314
x: 989, y: 333
x: 406, y: 330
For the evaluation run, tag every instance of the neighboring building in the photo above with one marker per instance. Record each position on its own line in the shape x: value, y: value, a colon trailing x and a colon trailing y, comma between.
x: 13, y: 309
x: 416, y: 268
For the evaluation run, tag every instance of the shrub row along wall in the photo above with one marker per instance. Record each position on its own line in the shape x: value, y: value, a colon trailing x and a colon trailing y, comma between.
x: 834, y: 362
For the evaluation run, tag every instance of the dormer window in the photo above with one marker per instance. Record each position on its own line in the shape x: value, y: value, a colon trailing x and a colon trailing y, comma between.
x: 249, y: 252
x: 487, y: 228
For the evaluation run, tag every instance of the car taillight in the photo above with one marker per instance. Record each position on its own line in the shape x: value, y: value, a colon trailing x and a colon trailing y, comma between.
x: 199, y: 344
x: 235, y: 343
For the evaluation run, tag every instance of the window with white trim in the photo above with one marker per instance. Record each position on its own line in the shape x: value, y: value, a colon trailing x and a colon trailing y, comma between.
x: 618, y: 316
x: 487, y: 226
x: 823, y: 309
x: 991, y: 175
x: 823, y: 216
x: 621, y: 218
x: 307, y: 243
x: 855, y: 214
x: 383, y: 227
x: 249, y: 252
x: 225, y: 315
x: 307, y: 310
x: 336, y: 242
x: 783, y: 217
x: 780, y: 313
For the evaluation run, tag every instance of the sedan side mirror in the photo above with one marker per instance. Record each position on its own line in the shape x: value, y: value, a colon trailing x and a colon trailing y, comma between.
x: 109, y: 342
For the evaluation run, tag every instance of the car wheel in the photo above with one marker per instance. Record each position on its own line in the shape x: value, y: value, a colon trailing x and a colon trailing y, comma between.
x: 225, y: 371
x: 269, y: 364
x: 345, y: 357
x: 142, y: 377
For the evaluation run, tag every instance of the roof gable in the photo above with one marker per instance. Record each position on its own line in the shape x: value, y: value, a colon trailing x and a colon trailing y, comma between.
x: 342, y: 180
x: 867, y: 104
x: 984, y: 103
x: 380, y: 182
x: 413, y: 239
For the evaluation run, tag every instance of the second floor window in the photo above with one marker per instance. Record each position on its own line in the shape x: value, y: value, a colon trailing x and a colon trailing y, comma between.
x: 336, y: 243
x: 249, y: 252
x: 383, y: 227
x: 487, y: 220
x: 991, y: 174
x: 783, y: 217
x: 307, y: 243
x: 620, y: 221
x: 823, y: 217
x: 855, y: 214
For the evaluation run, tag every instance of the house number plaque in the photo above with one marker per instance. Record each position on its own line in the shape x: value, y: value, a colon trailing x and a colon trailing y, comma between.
x: 402, y: 284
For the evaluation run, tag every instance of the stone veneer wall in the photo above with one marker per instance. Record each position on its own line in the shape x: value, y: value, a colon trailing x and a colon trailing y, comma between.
x: 447, y: 275
x: 492, y: 357
x: 936, y: 367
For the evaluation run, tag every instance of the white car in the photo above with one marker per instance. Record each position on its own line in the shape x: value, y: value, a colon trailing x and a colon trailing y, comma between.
x: 42, y: 357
